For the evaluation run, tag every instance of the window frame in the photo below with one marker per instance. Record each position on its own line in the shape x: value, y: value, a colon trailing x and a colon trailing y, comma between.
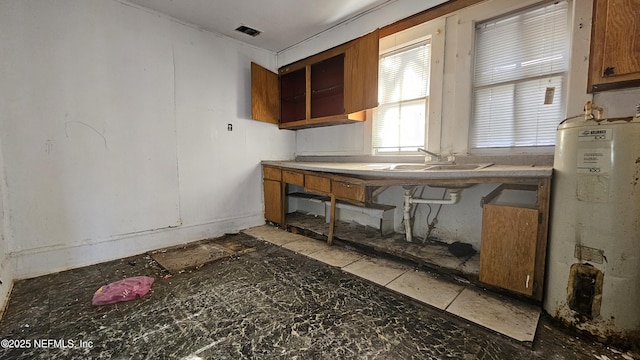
x: 433, y: 30
x: 456, y: 134
x: 403, y: 102
x: 451, y: 92
x: 532, y: 149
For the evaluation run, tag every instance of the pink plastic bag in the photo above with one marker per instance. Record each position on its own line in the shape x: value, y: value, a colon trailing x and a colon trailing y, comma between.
x: 123, y: 290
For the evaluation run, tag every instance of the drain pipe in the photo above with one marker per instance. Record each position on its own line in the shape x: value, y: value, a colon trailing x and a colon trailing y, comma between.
x: 454, y: 197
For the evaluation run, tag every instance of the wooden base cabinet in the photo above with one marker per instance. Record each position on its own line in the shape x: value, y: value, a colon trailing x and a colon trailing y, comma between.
x: 508, y: 250
x: 273, y: 195
x: 514, y: 238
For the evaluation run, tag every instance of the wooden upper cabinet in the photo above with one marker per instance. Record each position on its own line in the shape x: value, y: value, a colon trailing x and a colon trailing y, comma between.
x: 330, y: 88
x: 615, y: 45
x: 265, y: 102
x: 361, y: 73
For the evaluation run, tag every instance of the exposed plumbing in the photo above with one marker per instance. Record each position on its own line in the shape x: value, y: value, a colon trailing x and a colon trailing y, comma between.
x: 432, y: 224
x: 454, y: 197
x: 589, y: 108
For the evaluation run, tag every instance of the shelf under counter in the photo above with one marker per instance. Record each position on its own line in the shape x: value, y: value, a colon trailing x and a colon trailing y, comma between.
x: 356, y: 183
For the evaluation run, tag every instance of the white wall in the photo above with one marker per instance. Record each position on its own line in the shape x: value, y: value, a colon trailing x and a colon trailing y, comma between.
x: 389, y: 13
x: 7, y: 265
x: 460, y: 222
x: 113, y: 127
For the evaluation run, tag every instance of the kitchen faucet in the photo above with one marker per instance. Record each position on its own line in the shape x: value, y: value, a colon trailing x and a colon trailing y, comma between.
x: 438, y: 157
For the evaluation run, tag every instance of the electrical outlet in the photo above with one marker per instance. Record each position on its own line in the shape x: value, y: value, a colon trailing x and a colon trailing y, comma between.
x: 229, y: 127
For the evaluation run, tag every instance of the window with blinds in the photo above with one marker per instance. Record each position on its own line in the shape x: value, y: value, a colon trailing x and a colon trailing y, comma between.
x: 521, y: 62
x: 403, y: 92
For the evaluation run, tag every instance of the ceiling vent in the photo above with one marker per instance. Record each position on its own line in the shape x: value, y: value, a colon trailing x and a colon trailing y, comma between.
x: 249, y: 31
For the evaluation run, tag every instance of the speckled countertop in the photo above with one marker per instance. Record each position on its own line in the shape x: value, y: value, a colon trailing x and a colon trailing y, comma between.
x: 380, y: 170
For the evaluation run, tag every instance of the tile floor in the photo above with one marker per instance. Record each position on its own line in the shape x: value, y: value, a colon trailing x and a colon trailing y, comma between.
x: 509, y: 317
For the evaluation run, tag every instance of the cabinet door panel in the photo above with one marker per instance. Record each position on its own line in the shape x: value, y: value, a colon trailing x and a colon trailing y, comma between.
x: 273, y: 201
x: 621, y: 44
x: 265, y: 96
x: 361, y: 74
x: 508, y: 250
x: 614, y: 60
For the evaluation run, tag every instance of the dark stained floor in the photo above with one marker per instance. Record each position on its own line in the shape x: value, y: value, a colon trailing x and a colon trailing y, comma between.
x: 266, y: 304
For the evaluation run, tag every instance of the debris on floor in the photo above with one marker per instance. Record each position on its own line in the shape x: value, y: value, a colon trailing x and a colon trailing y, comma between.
x: 192, y: 256
x: 122, y: 290
x: 459, y: 249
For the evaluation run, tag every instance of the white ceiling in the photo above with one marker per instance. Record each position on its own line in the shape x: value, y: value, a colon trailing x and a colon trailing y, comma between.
x: 283, y: 23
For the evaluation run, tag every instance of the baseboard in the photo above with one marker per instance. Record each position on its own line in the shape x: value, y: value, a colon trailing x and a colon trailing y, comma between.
x: 7, y: 267
x: 42, y: 261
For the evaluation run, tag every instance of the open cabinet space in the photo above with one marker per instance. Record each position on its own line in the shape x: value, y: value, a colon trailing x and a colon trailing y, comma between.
x: 330, y: 88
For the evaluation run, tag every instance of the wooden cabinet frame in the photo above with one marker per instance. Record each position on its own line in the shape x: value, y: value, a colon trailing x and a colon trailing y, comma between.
x: 275, y: 180
x: 359, y: 191
x: 356, y: 62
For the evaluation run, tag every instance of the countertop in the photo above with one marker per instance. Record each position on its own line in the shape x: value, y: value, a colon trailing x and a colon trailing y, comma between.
x: 378, y: 170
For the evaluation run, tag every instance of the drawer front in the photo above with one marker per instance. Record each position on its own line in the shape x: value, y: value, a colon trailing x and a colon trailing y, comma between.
x: 348, y: 191
x: 271, y: 173
x: 317, y: 184
x: 293, y: 177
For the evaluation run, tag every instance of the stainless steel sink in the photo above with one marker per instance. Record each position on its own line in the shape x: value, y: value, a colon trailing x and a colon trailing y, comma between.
x: 407, y: 167
x: 452, y: 167
x: 437, y: 167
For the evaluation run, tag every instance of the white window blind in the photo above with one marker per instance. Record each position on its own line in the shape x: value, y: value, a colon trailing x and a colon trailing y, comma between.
x: 400, y: 119
x: 520, y: 66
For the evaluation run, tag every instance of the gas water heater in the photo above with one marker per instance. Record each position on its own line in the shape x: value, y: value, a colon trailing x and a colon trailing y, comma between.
x: 593, y: 274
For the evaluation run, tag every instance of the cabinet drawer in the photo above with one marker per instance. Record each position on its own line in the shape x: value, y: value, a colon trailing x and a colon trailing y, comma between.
x: 271, y: 173
x: 348, y: 191
x: 293, y: 177
x: 317, y: 183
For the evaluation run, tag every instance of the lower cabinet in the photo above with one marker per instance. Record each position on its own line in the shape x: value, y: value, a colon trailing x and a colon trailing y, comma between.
x: 275, y: 181
x: 273, y: 196
x: 514, y: 233
x: 273, y: 201
x: 508, y: 250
